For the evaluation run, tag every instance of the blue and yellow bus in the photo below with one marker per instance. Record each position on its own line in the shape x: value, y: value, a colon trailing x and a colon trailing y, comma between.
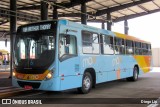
x: 59, y: 55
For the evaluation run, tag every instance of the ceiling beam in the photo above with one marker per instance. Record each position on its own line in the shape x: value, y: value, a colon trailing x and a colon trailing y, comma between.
x: 120, y: 7
x: 66, y: 5
x: 3, y: 22
x: 127, y: 17
x: 21, y: 16
x: 34, y: 7
x: 135, y: 15
x: 73, y: 3
x: 112, y: 9
x: 69, y: 15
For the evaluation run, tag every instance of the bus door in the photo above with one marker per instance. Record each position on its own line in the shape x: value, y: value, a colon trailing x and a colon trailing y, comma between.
x: 119, y: 59
x: 129, y: 57
x: 107, y: 59
x: 68, y: 57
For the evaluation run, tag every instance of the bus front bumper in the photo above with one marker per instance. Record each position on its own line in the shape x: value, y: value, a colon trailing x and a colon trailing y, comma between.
x: 48, y: 85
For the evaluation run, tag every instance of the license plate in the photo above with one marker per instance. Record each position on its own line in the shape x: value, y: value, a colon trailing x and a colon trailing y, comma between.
x: 28, y: 87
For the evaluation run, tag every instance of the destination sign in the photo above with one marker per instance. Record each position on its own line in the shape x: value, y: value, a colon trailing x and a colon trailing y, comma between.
x: 33, y: 28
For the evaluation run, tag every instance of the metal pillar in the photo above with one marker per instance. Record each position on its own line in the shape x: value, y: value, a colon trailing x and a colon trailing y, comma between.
x: 83, y: 10
x: 44, y: 11
x: 55, y: 13
x: 103, y: 25
x: 13, y: 21
x: 109, y: 23
x: 126, y: 28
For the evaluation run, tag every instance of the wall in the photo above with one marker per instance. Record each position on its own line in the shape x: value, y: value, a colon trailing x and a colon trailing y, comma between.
x: 156, y: 57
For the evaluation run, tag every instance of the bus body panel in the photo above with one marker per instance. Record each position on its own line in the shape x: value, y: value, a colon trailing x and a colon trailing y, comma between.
x: 69, y: 82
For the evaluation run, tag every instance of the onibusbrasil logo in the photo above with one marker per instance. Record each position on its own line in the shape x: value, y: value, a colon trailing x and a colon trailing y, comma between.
x: 20, y: 101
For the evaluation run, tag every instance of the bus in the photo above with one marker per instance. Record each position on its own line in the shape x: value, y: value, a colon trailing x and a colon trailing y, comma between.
x: 4, y: 60
x: 58, y: 55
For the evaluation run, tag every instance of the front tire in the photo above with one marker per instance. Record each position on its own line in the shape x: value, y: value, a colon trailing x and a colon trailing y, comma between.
x: 135, y: 75
x: 87, y: 82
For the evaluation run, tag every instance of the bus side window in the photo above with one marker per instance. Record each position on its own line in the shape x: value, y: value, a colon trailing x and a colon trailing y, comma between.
x: 95, y: 43
x: 140, y: 49
x: 144, y: 49
x: 129, y: 47
x: 67, y: 48
x: 149, y: 49
x: 107, y: 44
x: 137, y: 48
x: 122, y: 46
x: 133, y: 46
x: 90, y: 42
x: 117, y: 44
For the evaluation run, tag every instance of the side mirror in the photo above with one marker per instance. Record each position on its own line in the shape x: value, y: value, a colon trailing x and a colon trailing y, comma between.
x: 67, y: 39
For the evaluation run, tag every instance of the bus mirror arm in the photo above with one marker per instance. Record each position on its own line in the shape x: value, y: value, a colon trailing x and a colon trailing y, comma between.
x: 67, y: 39
x: 67, y: 31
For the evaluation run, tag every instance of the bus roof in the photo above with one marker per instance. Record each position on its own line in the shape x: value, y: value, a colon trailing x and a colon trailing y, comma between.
x: 128, y: 37
x: 120, y: 35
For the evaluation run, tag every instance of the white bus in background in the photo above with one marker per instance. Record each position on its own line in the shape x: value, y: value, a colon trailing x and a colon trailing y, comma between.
x: 4, y: 60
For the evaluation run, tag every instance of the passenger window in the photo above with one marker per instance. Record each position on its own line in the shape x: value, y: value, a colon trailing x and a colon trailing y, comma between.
x: 119, y: 45
x: 129, y: 47
x: 107, y: 44
x: 138, y: 50
x: 116, y: 45
x: 122, y: 46
x: 148, y: 49
x: 144, y: 49
x: 90, y: 42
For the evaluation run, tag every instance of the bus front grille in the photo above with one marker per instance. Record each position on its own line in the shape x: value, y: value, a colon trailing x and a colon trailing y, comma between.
x: 35, y: 85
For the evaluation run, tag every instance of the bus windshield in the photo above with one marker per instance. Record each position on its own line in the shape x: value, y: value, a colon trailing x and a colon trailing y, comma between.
x: 34, y: 50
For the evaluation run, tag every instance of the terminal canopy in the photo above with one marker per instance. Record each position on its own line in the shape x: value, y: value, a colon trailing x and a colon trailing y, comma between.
x: 3, y: 51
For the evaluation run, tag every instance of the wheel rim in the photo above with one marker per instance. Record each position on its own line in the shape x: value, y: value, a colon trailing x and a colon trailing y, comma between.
x: 86, y: 83
x: 135, y: 74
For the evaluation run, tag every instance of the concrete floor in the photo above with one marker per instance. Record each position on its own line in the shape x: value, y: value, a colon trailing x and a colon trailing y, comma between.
x: 4, y: 74
x: 5, y: 81
x: 148, y: 86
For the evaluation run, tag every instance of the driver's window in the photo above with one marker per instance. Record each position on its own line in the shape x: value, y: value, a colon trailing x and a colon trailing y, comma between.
x: 67, y: 45
x: 32, y: 50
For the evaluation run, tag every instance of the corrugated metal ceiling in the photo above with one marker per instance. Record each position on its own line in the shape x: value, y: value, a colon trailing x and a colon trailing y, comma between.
x: 29, y: 10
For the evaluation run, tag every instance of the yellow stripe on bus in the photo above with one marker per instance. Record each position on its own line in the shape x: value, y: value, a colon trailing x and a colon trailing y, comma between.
x: 143, y: 62
x: 31, y: 76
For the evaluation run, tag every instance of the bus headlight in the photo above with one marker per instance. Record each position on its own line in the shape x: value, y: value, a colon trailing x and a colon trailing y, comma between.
x: 49, y: 75
x: 13, y: 74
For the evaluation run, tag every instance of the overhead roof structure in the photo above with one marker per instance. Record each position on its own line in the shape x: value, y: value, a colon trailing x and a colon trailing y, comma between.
x: 29, y: 10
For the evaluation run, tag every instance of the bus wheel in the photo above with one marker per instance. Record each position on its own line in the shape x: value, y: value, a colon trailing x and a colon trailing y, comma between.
x: 135, y: 75
x: 86, y: 83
